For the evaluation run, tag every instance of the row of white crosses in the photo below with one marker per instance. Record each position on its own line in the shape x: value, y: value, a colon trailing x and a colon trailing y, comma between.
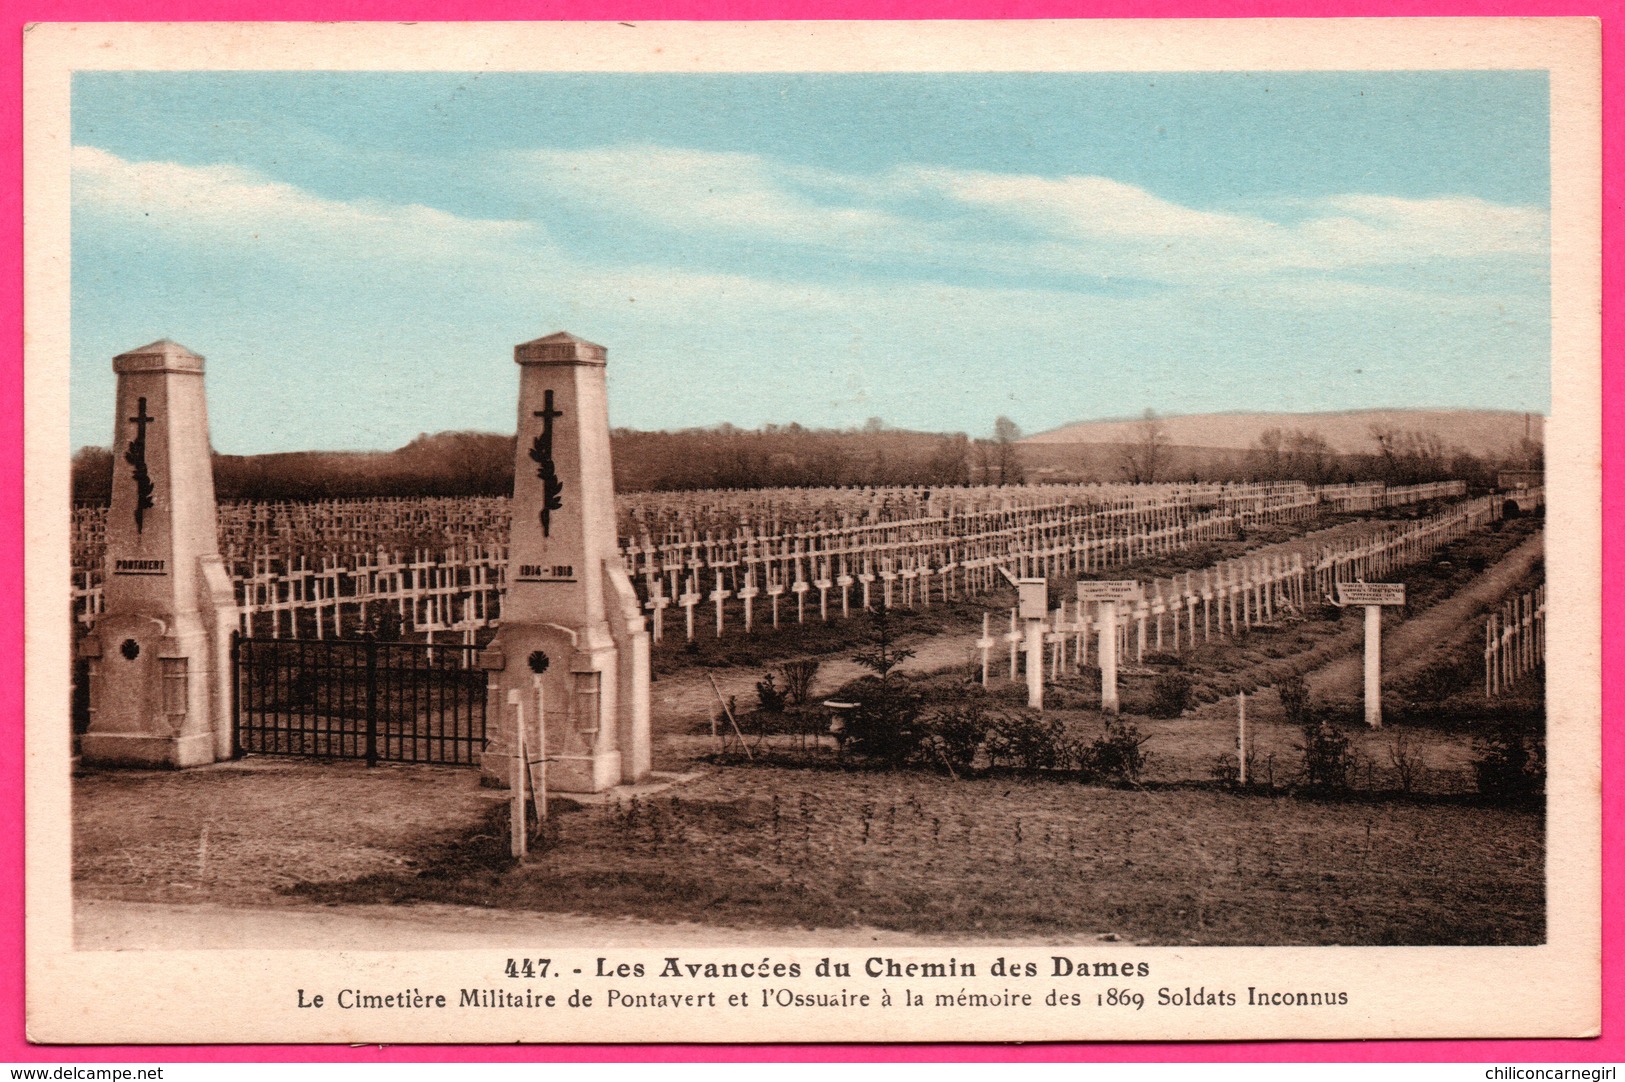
x: 1096, y: 612
x: 1374, y: 495
x: 290, y: 559
x: 455, y: 592
x: 1170, y: 615
x: 1177, y: 614
x: 862, y: 567
x: 280, y: 529
x: 247, y: 525
x: 1514, y: 641
x: 959, y: 554
x: 1231, y: 596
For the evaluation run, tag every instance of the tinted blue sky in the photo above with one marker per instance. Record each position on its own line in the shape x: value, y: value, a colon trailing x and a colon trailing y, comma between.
x: 357, y: 253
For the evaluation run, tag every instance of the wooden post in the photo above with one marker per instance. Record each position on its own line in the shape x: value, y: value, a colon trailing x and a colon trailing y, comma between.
x: 1373, y: 666
x: 1241, y: 737
x: 1013, y: 637
x: 1108, y: 657
x: 517, y: 835
x: 538, y: 776
x: 1035, y: 663
x: 1033, y: 603
x: 1373, y: 596
x: 985, y: 645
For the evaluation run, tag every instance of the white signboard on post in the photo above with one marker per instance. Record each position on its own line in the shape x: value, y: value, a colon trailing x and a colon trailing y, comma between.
x: 1109, y: 590
x: 1373, y: 596
x: 1371, y: 593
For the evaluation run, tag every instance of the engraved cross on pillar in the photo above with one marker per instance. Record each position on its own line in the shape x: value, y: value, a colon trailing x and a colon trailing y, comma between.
x: 136, y: 456
x: 541, y: 452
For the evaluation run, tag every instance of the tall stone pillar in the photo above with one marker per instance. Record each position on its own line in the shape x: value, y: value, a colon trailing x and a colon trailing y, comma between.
x: 572, y: 635
x: 160, y: 653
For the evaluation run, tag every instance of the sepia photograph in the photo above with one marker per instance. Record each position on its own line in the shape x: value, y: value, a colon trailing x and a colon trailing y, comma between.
x: 837, y: 533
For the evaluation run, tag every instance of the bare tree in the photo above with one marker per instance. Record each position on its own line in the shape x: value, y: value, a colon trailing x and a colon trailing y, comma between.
x: 1267, y: 449
x: 1147, y: 455
x: 1387, y: 440
x: 1308, y: 458
x: 1005, y: 434
x: 949, y: 463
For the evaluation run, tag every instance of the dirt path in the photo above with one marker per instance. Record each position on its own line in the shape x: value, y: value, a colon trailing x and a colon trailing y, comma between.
x: 680, y: 701
x: 101, y: 925
x: 1407, y: 643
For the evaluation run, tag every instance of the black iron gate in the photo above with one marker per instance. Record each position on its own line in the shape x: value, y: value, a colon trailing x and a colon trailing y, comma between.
x: 403, y: 702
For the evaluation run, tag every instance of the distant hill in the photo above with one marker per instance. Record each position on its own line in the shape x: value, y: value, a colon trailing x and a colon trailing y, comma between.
x: 1479, y: 432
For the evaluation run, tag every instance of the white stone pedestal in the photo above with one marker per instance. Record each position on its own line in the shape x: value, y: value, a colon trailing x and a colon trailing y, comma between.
x: 569, y: 611
x: 160, y: 653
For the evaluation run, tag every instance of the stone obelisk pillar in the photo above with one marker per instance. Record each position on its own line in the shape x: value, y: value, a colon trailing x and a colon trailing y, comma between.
x: 160, y: 653
x: 573, y: 643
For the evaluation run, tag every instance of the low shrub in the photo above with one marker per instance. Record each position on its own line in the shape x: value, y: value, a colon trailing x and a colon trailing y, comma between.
x: 1510, y: 764
x: 945, y: 688
x: 1294, y: 695
x: 1062, y: 697
x: 769, y: 695
x: 798, y: 680
x: 1117, y: 754
x: 1410, y: 767
x: 1442, y: 679
x: 885, y: 725
x: 1260, y: 771
x: 1328, y: 764
x: 1170, y: 695
x: 1027, y: 740
x: 960, y: 731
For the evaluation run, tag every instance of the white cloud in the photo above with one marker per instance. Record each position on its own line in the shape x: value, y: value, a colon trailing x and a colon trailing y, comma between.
x: 1020, y: 223
x: 420, y: 291
x: 1086, y: 206
x: 1022, y: 235
x: 699, y: 190
x: 1383, y: 229
x: 218, y: 205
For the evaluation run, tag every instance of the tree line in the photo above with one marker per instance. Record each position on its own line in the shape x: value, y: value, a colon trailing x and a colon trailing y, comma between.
x: 724, y: 456
x: 482, y: 463
x: 1397, y: 456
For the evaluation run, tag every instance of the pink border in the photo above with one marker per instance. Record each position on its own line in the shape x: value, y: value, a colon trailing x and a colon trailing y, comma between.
x: 13, y: 1044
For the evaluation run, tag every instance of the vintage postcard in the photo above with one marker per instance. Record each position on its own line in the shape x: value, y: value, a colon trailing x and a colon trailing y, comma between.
x: 813, y: 531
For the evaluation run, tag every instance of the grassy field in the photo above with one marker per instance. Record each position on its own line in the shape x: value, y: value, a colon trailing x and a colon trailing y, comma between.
x: 1009, y: 856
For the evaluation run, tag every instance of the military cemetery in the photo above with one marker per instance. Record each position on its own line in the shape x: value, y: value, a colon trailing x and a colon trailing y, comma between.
x: 1164, y: 638
x: 973, y: 526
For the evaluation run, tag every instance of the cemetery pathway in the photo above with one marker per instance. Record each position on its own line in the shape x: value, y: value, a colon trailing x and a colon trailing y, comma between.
x: 682, y: 703
x: 1405, y: 644
x: 679, y: 701
x: 101, y: 924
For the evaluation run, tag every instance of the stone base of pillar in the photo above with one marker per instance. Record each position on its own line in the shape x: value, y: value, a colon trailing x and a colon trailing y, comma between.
x: 584, y: 773
x: 566, y: 774
x: 140, y: 749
